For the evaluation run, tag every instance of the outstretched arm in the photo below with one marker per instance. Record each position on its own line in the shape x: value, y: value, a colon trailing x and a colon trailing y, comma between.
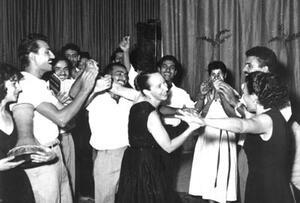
x: 161, y: 136
x: 260, y: 124
x: 127, y: 93
x: 62, y: 116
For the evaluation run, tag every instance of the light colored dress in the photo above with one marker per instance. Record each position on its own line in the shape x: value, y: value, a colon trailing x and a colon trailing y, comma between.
x: 214, y: 169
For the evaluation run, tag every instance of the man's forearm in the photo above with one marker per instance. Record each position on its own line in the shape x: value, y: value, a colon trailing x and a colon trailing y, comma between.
x: 127, y: 93
x: 75, y: 87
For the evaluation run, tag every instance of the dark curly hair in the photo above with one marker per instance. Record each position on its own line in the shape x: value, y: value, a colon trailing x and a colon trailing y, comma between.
x: 110, y: 67
x: 7, y: 72
x: 29, y: 44
x: 270, y: 90
x: 71, y: 46
x: 217, y: 65
x: 61, y: 58
x: 169, y: 58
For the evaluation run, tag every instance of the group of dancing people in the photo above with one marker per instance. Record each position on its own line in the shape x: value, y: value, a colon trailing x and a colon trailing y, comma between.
x: 138, y: 119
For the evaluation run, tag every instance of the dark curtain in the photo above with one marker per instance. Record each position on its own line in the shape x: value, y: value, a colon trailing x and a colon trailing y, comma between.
x: 97, y: 26
x: 250, y: 23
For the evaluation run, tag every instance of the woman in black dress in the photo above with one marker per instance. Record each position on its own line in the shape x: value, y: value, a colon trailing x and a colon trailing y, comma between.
x: 14, y: 183
x: 268, y: 145
x: 144, y: 175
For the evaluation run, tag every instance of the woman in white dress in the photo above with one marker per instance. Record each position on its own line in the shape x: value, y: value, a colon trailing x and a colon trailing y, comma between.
x: 214, y: 169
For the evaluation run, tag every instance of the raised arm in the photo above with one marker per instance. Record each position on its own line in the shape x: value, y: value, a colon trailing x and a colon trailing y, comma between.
x: 232, y: 98
x: 62, y: 116
x: 125, y: 46
x: 205, y: 87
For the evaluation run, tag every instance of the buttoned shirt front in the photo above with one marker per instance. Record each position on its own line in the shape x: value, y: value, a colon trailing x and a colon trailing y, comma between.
x: 108, y: 121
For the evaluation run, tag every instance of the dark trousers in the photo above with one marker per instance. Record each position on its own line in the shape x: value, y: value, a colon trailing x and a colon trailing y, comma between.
x: 173, y: 159
x: 83, y: 156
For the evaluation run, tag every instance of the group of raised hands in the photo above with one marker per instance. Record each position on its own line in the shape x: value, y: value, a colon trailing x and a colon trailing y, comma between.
x: 222, y: 88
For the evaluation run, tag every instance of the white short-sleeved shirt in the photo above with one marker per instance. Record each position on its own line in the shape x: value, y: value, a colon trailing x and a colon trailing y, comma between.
x: 35, y: 91
x: 108, y: 122
x: 178, y: 98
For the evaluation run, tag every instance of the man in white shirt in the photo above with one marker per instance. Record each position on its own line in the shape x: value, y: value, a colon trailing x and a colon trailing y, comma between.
x: 108, y: 119
x: 49, y: 182
x: 262, y: 59
x: 168, y: 67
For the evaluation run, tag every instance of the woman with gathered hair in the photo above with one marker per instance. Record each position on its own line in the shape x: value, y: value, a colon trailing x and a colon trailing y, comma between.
x: 144, y: 174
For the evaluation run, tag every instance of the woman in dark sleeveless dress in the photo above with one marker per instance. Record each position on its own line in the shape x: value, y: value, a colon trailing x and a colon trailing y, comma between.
x: 268, y: 145
x: 14, y: 183
x: 144, y: 178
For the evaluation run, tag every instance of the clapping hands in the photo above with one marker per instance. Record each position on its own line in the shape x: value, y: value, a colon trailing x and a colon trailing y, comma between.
x: 103, y: 83
x: 227, y: 92
x: 89, y: 75
x: 205, y: 87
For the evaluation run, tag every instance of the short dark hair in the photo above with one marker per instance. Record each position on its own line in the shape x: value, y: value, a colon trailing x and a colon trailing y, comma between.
x: 27, y: 45
x: 85, y: 54
x: 214, y: 65
x: 109, y: 68
x: 169, y: 58
x: 7, y: 71
x: 266, y: 57
x: 114, y: 54
x: 61, y: 58
x: 71, y: 46
x: 268, y: 87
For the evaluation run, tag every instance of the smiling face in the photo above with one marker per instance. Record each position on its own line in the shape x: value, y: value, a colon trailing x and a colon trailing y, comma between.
x: 119, y: 75
x: 43, y: 57
x: 168, y: 70
x: 61, y: 69
x: 158, y: 87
